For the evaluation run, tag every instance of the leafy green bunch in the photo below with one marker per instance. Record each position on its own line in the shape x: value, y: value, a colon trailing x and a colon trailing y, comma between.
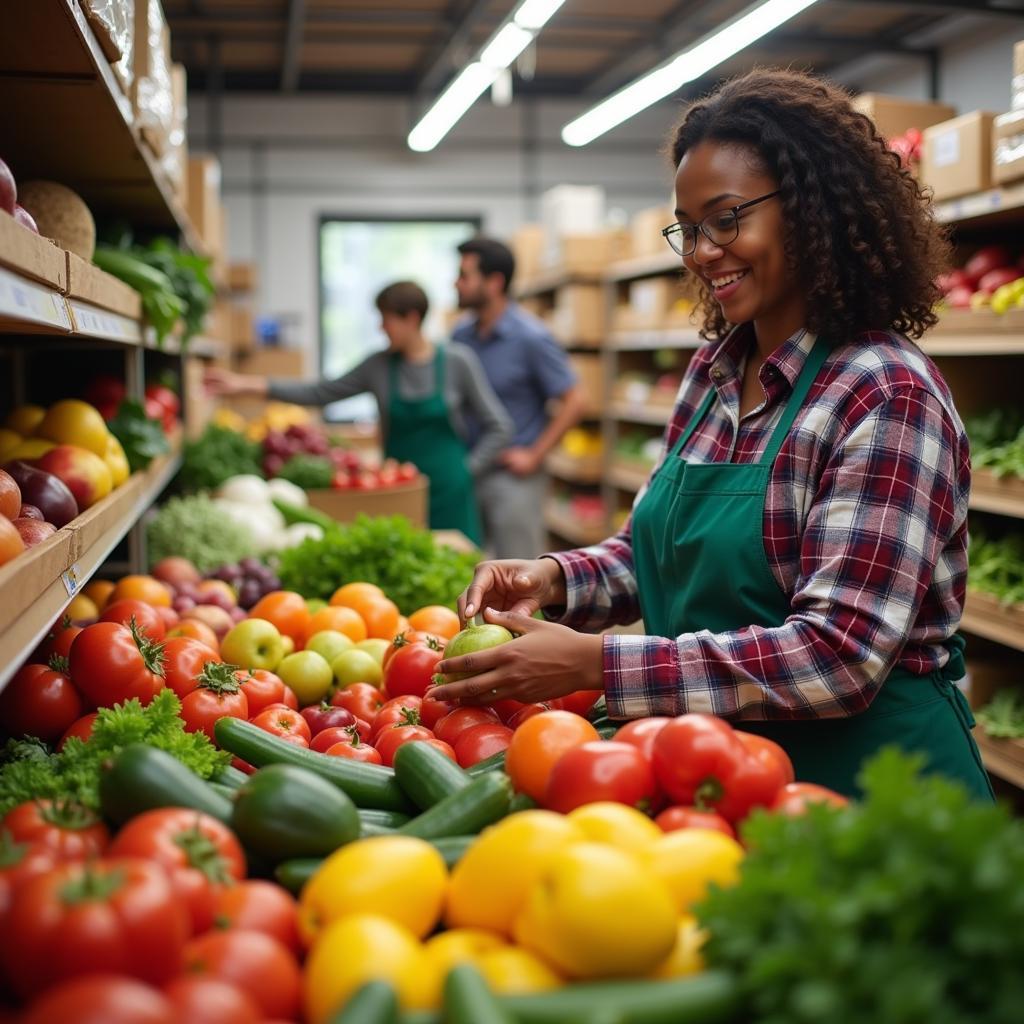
x: 194, y: 528
x: 217, y: 455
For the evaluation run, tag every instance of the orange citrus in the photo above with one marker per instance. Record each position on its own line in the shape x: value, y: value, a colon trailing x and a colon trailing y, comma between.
x: 99, y: 591
x: 141, y: 588
x: 355, y: 592
x: 436, y: 619
x: 337, y: 617
x: 381, y: 618
x: 286, y: 610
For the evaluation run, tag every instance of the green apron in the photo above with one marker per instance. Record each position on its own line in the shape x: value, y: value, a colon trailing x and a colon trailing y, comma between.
x: 421, y: 432
x: 698, y: 549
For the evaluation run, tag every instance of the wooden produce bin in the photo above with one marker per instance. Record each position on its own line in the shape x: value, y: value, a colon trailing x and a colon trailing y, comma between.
x: 409, y: 500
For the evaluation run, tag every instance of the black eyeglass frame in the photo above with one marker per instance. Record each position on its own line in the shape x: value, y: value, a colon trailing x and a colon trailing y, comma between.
x: 674, y: 229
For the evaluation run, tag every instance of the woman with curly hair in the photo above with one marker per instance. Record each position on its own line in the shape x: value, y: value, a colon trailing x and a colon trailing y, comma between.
x: 799, y: 554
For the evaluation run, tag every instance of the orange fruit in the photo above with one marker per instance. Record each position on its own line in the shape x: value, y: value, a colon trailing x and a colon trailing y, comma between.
x: 286, y: 610
x: 538, y: 743
x: 99, y: 591
x: 355, y: 592
x: 436, y: 619
x: 195, y: 630
x: 381, y: 618
x: 11, y: 544
x: 403, y: 624
x: 141, y: 588
x: 337, y: 617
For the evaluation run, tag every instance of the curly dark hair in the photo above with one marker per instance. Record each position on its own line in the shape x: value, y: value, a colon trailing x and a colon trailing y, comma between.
x: 862, y: 239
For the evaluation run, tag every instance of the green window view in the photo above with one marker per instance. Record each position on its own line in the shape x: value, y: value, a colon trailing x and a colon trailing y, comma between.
x: 357, y: 259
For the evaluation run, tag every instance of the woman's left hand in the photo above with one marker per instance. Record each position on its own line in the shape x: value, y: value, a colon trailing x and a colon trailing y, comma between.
x: 545, y: 662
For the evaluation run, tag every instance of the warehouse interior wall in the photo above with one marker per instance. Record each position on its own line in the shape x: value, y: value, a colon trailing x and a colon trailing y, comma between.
x: 288, y: 160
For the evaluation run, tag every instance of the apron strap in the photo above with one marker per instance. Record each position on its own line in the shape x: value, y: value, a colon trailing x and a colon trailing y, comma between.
x: 695, y: 420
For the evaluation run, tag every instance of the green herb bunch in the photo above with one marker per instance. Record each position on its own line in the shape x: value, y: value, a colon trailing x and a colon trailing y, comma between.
x: 194, y: 528
x: 310, y: 472
x: 217, y: 455
x: 1003, y: 716
x: 141, y: 437
x: 997, y: 566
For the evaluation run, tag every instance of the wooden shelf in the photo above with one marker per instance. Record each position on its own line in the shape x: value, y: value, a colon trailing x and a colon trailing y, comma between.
x: 995, y: 343
x: 563, y: 525
x: 1002, y: 757
x: 654, y: 414
x: 576, y: 471
x: 38, y: 585
x: 64, y: 117
x: 555, y: 278
x: 627, y: 476
x: 986, y: 617
x: 1001, y: 495
x: 642, y: 341
x: 983, y: 209
x: 645, y: 266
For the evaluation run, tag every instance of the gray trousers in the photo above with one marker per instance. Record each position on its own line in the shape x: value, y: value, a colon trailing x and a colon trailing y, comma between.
x: 512, y: 509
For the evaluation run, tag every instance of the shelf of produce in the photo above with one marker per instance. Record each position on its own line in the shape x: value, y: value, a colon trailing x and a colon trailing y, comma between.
x: 555, y: 278
x: 1002, y: 757
x: 577, y: 471
x: 642, y: 341
x: 66, y: 118
x: 1003, y: 495
x: 983, y: 209
x: 645, y: 266
x: 627, y: 476
x: 38, y: 585
x: 29, y: 307
x: 561, y: 523
x: 656, y: 414
x: 956, y: 343
x: 985, y: 616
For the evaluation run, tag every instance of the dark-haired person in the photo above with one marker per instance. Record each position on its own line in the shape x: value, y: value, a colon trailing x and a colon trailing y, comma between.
x: 426, y: 394
x: 527, y: 369
x: 799, y: 555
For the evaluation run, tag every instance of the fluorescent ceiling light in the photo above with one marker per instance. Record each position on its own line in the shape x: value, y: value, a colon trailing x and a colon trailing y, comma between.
x: 534, y: 14
x: 686, y: 66
x: 451, y: 105
x: 506, y: 46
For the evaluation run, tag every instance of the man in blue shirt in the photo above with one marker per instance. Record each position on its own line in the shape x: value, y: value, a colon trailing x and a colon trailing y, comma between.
x: 527, y: 369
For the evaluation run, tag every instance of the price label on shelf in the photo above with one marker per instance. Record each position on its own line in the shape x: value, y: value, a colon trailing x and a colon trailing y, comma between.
x: 32, y: 303
x: 101, y: 323
x: 70, y: 580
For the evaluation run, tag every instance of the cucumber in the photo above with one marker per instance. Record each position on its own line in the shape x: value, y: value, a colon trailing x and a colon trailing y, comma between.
x: 379, y: 823
x: 452, y: 848
x: 225, y: 791
x: 368, y: 785
x: 284, y: 812
x: 426, y: 775
x: 481, y: 803
x: 229, y: 776
x: 294, y: 514
x: 521, y: 802
x: 488, y: 764
x: 468, y: 1000
x: 294, y: 874
x: 142, y: 778
x: 373, y: 1003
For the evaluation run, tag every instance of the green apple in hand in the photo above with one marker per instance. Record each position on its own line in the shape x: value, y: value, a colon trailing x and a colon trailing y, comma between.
x: 374, y: 647
x: 253, y: 643
x: 308, y: 674
x: 356, y: 666
x: 329, y: 643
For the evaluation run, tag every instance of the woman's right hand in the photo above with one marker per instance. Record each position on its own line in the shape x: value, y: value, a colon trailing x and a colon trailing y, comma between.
x: 513, y: 585
x: 218, y: 381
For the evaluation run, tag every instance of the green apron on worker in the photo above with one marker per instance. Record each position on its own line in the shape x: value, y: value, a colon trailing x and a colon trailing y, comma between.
x: 698, y: 549
x: 420, y: 431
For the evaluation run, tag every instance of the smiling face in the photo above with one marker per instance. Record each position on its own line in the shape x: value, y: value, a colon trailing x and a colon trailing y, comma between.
x: 749, y: 277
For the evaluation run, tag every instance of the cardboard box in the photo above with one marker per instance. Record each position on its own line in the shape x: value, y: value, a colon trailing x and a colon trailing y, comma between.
x: 30, y: 254
x: 274, y: 362
x: 645, y: 231
x: 204, y: 195
x: 409, y: 500
x: 586, y: 255
x: 1008, y: 147
x: 650, y: 299
x: 893, y: 115
x: 579, y: 314
x: 175, y: 158
x: 591, y: 377
x: 243, y: 277
x: 241, y: 332
x: 90, y: 284
x: 152, y: 91
x: 957, y: 155
x: 528, y: 248
x: 567, y: 210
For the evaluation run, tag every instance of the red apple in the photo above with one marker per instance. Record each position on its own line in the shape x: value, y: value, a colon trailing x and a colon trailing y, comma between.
x: 997, y: 278
x: 216, y: 618
x: 25, y: 219
x: 33, y: 531
x: 85, y: 473
x: 954, y: 279
x: 216, y: 592
x: 991, y: 257
x: 959, y: 297
x: 8, y: 189
x: 175, y: 571
x: 31, y: 512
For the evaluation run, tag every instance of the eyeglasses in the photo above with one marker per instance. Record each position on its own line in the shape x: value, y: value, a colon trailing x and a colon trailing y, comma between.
x: 721, y: 228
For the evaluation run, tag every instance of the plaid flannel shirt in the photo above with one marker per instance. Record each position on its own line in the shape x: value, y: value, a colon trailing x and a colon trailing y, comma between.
x: 865, y: 528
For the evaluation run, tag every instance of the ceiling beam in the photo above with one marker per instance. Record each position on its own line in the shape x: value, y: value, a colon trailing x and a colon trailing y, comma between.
x: 450, y: 53
x: 998, y: 8
x: 291, y: 65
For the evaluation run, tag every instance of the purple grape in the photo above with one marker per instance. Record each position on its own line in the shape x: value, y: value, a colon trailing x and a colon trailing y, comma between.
x: 249, y: 592
x: 250, y: 565
x: 228, y: 573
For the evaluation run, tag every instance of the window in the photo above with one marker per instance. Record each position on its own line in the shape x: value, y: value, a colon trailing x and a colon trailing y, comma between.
x: 357, y: 259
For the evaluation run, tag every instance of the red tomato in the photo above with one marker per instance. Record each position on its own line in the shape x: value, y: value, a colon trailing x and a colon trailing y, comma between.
x: 110, y: 915
x: 602, y: 770
x: 526, y: 711
x: 73, y: 832
x: 674, y: 818
x: 362, y: 699
x: 452, y: 725
x: 79, y: 729
x: 197, y: 851
x: 390, y: 739
x: 410, y: 672
x: 58, y: 641
x: 579, y: 703
x: 39, y: 701
x: 445, y: 748
x: 506, y: 708
x: 399, y: 711
x: 18, y: 863
x: 768, y: 752
x: 641, y: 733
x: 326, y: 716
x: 218, y: 694
x: 105, y: 998
x: 255, y: 962
x: 794, y: 798
x: 480, y: 741
x: 289, y: 699
x: 700, y: 761
x: 147, y: 619
x: 200, y: 1000
x: 432, y: 711
x: 169, y: 616
x: 263, y: 688
x: 184, y: 661
x: 110, y: 665
x: 262, y: 907
x: 283, y: 722
x: 355, y: 752
x: 336, y: 734
x: 410, y: 636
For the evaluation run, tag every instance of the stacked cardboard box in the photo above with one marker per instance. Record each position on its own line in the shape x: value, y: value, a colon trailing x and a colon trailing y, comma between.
x: 957, y: 158
x: 152, y: 91
x: 113, y: 24
x: 1008, y: 129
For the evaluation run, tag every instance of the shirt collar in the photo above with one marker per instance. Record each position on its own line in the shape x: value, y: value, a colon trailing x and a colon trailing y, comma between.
x: 501, y: 327
x: 786, y: 361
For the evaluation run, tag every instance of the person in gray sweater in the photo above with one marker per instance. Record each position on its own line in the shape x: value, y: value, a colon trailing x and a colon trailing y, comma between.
x: 426, y: 394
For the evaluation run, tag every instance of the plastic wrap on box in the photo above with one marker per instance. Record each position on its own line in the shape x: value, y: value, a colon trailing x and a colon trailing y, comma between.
x: 1008, y: 147
x: 154, y: 95
x: 175, y: 160
x: 107, y: 20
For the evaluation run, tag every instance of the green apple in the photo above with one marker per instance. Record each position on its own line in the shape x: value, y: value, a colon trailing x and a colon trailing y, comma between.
x: 253, y: 643
x: 356, y: 666
x: 329, y: 643
x: 374, y: 647
x: 314, y: 604
x: 289, y: 645
x: 308, y: 674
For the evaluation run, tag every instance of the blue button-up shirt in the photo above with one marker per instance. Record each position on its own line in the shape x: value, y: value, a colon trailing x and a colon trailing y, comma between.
x: 526, y: 368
